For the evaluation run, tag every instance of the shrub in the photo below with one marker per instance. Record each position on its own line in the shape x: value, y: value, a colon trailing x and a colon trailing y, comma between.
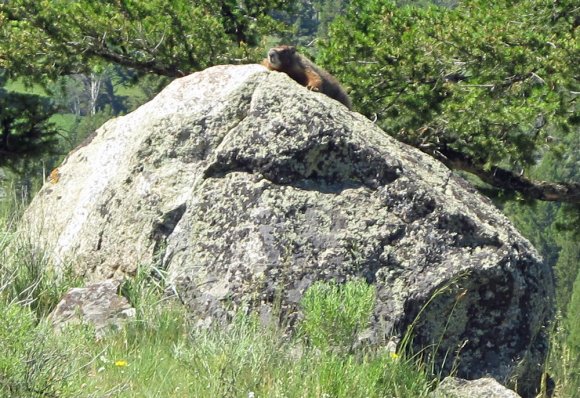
x: 33, y: 362
x: 334, y: 314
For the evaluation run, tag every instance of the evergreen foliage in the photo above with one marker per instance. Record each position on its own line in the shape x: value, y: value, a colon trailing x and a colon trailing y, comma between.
x: 479, y: 89
x: 166, y: 37
x: 25, y: 129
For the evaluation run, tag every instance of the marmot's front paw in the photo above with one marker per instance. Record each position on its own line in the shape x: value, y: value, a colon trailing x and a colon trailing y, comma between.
x: 312, y: 88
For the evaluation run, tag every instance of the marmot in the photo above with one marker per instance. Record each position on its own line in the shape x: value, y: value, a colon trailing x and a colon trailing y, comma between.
x: 305, y: 72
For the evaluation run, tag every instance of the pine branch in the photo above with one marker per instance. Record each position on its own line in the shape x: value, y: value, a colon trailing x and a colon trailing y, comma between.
x: 498, y: 177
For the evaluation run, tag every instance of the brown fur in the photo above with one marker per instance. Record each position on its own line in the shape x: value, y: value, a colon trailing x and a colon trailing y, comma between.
x: 305, y: 72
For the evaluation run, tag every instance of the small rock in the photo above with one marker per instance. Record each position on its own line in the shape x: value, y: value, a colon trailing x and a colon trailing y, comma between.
x: 453, y: 387
x: 97, y: 304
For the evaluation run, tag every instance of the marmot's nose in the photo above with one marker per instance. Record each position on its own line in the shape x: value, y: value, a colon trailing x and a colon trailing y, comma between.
x: 271, y: 53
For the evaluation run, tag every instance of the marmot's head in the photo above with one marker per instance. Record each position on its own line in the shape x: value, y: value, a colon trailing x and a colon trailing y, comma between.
x: 281, y: 56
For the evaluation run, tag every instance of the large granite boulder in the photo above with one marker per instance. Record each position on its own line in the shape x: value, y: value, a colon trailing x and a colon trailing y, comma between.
x: 247, y: 188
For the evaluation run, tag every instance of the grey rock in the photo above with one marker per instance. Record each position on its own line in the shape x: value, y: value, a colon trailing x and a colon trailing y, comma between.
x: 453, y: 387
x: 247, y: 188
x: 97, y: 304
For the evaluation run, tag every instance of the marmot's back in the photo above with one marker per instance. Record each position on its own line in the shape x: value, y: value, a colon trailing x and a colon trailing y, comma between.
x: 305, y: 72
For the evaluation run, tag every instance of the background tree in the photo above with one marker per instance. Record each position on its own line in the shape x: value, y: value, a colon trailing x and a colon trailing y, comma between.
x: 166, y: 37
x: 309, y: 20
x: 25, y: 129
x: 483, y: 91
x: 554, y: 228
x: 87, y: 94
x: 326, y: 12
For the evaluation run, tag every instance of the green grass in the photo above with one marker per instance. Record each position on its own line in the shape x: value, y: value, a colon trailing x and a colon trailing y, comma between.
x: 162, y: 352
x: 163, y: 355
x: 63, y: 121
x: 335, y: 314
x: 129, y: 91
x: 563, y: 363
x: 18, y: 86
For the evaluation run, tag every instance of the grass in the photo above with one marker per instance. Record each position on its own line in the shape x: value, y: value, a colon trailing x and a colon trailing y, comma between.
x: 564, y: 359
x: 335, y: 314
x: 163, y: 353
x: 64, y: 121
x: 19, y: 86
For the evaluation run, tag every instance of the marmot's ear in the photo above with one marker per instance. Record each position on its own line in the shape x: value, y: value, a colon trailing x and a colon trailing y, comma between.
x: 292, y: 49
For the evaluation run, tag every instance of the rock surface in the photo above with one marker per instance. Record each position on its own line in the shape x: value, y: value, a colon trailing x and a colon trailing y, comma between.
x: 97, y: 304
x: 452, y: 387
x: 247, y: 188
